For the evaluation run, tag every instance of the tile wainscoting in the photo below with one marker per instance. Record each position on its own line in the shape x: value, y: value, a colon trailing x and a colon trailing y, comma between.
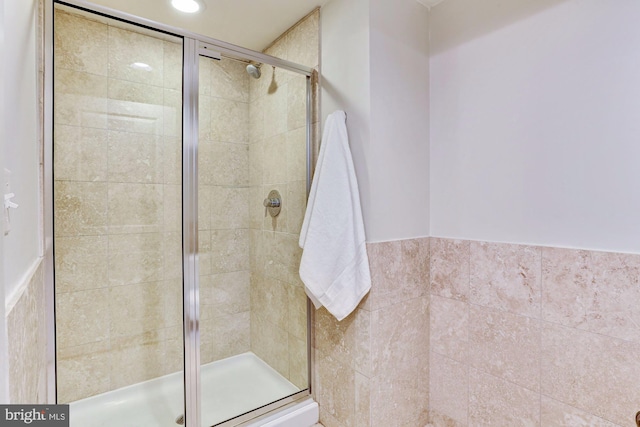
x: 461, y: 333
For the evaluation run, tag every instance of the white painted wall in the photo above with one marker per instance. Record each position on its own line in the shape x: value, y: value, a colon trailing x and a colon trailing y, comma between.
x: 374, y: 59
x: 20, y: 150
x: 345, y: 80
x: 535, y: 122
x: 398, y: 156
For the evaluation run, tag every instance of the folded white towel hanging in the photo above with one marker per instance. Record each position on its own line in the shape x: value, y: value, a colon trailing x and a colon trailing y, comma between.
x: 334, y: 266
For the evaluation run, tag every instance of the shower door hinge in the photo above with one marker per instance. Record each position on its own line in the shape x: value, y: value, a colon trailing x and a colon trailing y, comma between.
x: 208, y: 51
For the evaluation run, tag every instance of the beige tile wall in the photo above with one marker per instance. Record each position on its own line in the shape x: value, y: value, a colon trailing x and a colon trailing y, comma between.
x: 118, y: 201
x: 117, y: 207
x: 223, y: 205
x: 277, y: 157
x: 26, y: 326
x: 524, y: 335
x: 372, y: 368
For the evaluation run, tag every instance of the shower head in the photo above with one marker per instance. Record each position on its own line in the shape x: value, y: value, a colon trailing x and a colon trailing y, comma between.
x: 254, y: 70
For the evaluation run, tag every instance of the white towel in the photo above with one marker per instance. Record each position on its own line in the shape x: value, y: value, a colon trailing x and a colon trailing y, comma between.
x: 334, y: 265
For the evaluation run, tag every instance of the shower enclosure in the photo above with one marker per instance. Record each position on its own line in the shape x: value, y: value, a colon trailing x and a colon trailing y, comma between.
x: 176, y: 293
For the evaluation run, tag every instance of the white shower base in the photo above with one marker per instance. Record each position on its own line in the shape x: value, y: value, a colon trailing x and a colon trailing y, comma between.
x: 230, y: 387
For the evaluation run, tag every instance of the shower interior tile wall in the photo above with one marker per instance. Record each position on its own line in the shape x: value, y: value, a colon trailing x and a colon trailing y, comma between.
x: 277, y: 152
x: 118, y: 207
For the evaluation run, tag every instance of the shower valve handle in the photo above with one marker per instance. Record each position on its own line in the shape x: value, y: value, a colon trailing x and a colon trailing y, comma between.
x: 271, y: 203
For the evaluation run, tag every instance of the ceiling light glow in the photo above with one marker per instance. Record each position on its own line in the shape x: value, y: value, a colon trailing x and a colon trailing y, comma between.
x: 186, y: 6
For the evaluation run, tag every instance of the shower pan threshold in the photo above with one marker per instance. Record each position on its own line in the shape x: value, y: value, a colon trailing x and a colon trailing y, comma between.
x: 230, y: 387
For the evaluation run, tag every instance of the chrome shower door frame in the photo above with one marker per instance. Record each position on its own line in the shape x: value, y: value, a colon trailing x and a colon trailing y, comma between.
x: 192, y: 43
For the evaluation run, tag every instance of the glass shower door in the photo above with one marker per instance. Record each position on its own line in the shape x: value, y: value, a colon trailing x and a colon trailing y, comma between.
x: 117, y: 182
x: 253, y: 313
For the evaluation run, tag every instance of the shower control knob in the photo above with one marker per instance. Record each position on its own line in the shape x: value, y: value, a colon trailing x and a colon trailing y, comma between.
x: 272, y: 204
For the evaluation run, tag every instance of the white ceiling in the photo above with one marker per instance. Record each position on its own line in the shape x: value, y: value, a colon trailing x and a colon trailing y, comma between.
x: 253, y: 24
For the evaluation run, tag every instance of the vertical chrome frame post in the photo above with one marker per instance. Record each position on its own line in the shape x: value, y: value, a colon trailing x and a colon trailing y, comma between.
x: 190, y: 233
x: 48, y: 203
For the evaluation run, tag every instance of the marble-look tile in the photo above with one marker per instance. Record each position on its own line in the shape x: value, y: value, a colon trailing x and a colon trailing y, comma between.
x: 494, y: 402
x: 557, y: 414
x: 26, y: 324
x: 172, y: 309
x: 172, y: 66
x: 172, y: 152
x: 399, y: 271
x: 172, y: 207
x: 136, y: 358
x: 204, y: 75
x: 227, y: 293
x: 281, y: 256
x: 362, y: 360
x: 80, y: 44
x: 275, y: 112
x: 82, y: 317
x: 79, y: 153
x: 505, y: 345
x: 136, y: 107
x: 81, y: 263
x: 135, y: 57
x: 81, y: 208
x: 230, y: 250
x: 449, y: 328
x: 135, y: 258
x: 135, y: 158
x: 506, y: 277
x: 362, y: 400
x: 576, y: 365
x: 298, y: 367
x: 336, y: 398
x: 296, y: 205
x: 229, y: 121
x: 400, y: 395
x: 173, y: 350
x: 135, y: 208
x: 270, y: 343
x: 172, y: 255
x: 229, y: 163
x: 297, y: 154
x: 303, y: 41
x: 270, y: 300
x: 274, y: 168
x: 400, y: 334
x: 83, y: 375
x: 448, y: 391
x: 256, y: 164
x: 135, y: 309
x: 297, y: 102
x: 229, y: 207
x: 204, y: 117
x: 256, y: 208
x: 450, y: 268
x: 231, y: 335
x: 80, y: 99
x: 297, y: 324
x: 205, y: 194
x: 256, y: 120
x: 336, y: 339
x: 229, y: 80
x: 593, y: 291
